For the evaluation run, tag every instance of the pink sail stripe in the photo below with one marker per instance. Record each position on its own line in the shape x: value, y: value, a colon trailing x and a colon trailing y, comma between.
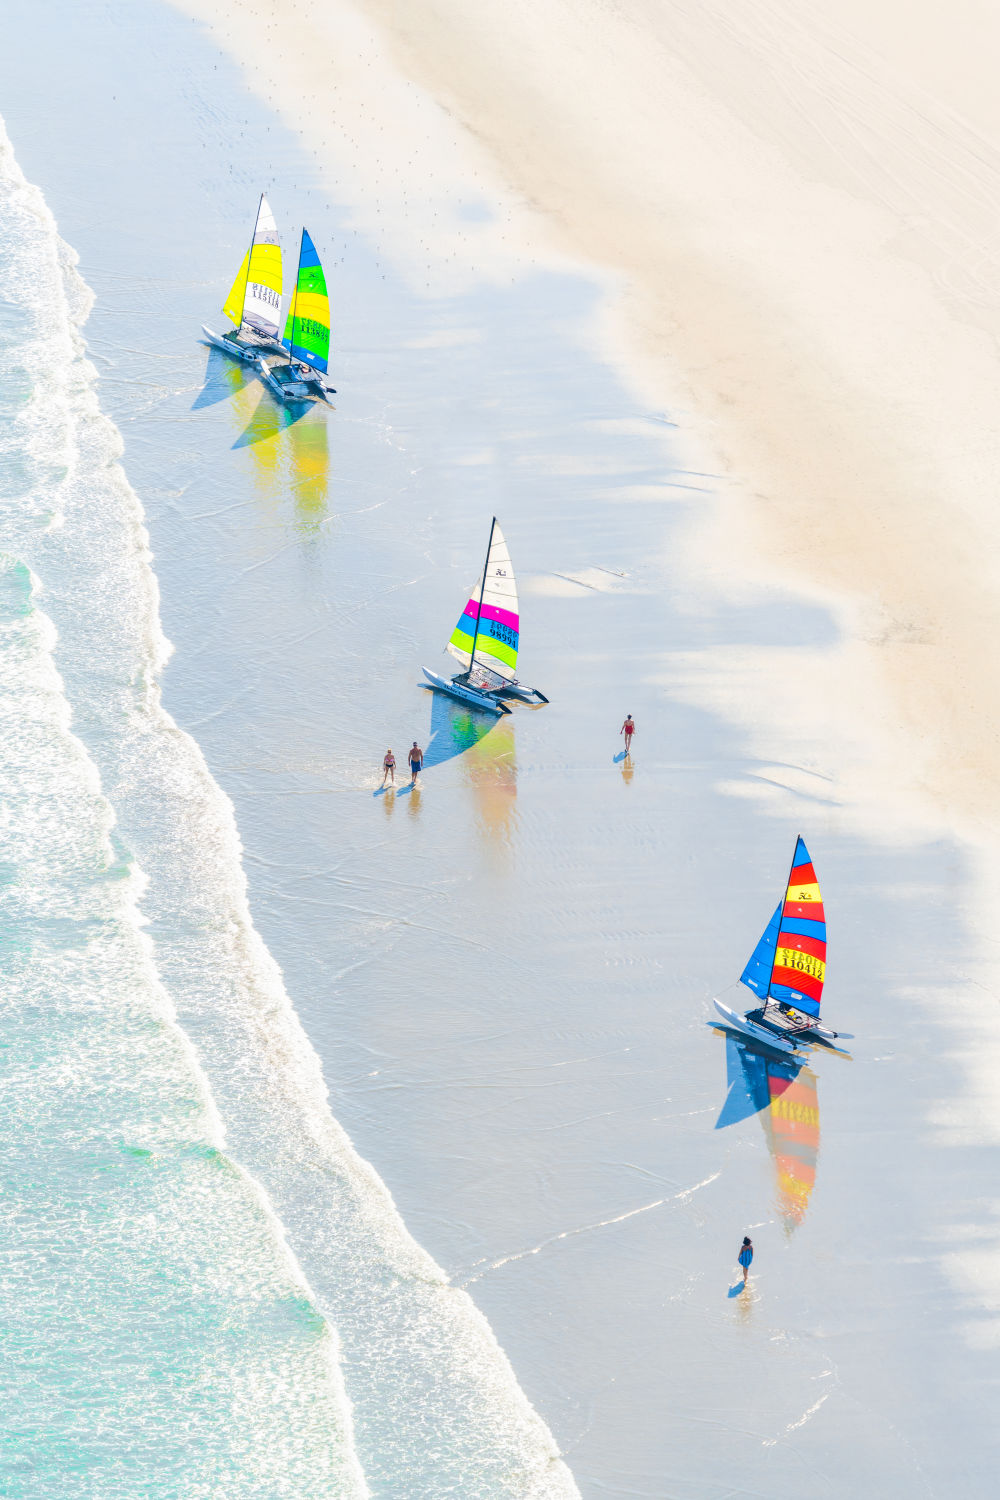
x: 492, y: 612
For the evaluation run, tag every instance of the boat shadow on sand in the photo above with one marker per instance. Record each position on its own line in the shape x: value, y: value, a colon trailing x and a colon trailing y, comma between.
x: 455, y: 727
x: 226, y: 378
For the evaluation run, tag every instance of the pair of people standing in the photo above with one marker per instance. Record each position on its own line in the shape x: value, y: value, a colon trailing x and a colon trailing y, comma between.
x: 416, y: 759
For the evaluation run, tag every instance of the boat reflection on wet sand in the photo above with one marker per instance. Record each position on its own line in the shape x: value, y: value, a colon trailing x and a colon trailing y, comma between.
x: 783, y: 1092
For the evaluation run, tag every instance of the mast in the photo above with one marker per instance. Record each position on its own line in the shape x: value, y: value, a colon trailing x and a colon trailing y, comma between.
x: 295, y: 297
x: 777, y: 935
x: 479, y: 612
x: 249, y: 259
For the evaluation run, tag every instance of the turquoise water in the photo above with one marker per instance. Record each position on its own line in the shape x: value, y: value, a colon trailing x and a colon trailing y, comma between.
x: 160, y: 1338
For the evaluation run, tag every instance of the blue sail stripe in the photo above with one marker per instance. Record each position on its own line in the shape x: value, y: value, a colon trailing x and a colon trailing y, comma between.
x: 804, y: 927
x: 785, y: 995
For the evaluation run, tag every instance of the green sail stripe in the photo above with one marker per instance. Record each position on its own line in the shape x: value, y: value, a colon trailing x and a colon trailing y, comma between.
x: 485, y: 646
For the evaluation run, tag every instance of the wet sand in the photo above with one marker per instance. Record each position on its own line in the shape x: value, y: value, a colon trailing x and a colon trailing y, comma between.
x: 507, y: 974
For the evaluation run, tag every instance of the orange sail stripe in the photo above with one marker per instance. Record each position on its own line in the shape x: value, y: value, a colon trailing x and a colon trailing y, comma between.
x: 812, y: 945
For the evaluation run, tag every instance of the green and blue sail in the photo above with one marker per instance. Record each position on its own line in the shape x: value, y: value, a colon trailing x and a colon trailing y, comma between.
x: 307, y: 328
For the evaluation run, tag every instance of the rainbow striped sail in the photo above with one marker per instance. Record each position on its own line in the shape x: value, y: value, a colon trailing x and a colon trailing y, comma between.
x: 486, y: 637
x: 789, y: 963
x: 254, y: 300
x: 307, y: 328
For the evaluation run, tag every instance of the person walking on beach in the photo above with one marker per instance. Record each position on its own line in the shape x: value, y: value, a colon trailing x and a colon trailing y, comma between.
x: 628, y: 730
x: 389, y: 768
x: 416, y: 761
x: 746, y: 1256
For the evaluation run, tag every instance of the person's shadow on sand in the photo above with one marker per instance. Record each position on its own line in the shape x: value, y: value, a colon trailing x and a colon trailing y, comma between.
x: 736, y: 1288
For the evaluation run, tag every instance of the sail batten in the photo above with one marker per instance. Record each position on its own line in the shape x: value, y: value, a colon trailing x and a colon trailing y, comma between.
x: 254, y: 300
x: 307, y: 328
x: 489, y: 624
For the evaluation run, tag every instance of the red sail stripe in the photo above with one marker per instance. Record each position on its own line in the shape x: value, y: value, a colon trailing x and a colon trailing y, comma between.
x: 796, y: 980
x: 815, y: 946
x: 803, y: 875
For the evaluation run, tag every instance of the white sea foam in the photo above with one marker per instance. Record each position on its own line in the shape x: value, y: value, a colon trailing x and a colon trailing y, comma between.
x: 436, y: 1407
x: 171, y: 1338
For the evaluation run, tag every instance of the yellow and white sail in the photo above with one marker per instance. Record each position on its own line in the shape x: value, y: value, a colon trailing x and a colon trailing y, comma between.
x: 254, y: 301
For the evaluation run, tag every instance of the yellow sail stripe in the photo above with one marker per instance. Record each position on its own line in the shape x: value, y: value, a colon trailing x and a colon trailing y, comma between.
x: 233, y: 307
x: 265, y: 266
x: 803, y: 893
x: 803, y: 963
x: 313, y: 305
x: 784, y: 1108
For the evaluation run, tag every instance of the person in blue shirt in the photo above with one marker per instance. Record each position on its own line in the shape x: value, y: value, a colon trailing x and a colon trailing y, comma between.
x: 746, y: 1256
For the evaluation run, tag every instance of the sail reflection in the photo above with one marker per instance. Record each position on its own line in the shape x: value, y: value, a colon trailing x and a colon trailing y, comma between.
x: 490, y: 769
x: 290, y: 451
x: 309, y: 454
x: 784, y: 1094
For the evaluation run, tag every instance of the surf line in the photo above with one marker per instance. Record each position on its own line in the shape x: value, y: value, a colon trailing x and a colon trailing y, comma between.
x: 568, y: 1234
x: 793, y: 1426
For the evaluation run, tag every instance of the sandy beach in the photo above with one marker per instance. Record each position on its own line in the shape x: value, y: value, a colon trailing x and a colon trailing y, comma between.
x: 700, y: 309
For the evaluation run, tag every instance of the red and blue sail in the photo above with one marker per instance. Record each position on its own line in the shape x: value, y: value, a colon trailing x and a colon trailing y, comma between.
x: 789, y: 963
x: 307, y: 327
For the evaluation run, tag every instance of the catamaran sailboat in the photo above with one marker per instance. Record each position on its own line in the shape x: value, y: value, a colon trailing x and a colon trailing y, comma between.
x: 254, y: 301
x: 307, y: 335
x: 788, y: 966
x: 485, y: 639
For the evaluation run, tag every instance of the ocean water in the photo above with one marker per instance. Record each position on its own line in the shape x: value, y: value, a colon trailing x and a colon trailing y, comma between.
x: 160, y: 1336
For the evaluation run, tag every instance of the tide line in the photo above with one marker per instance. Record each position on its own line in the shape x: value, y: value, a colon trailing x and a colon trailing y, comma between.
x: 568, y: 1234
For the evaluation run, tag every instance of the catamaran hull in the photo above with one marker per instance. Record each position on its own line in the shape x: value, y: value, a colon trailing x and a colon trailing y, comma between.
x: 750, y: 1028
x: 294, y: 392
x: 522, y: 694
x: 250, y: 354
x: 485, y: 701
